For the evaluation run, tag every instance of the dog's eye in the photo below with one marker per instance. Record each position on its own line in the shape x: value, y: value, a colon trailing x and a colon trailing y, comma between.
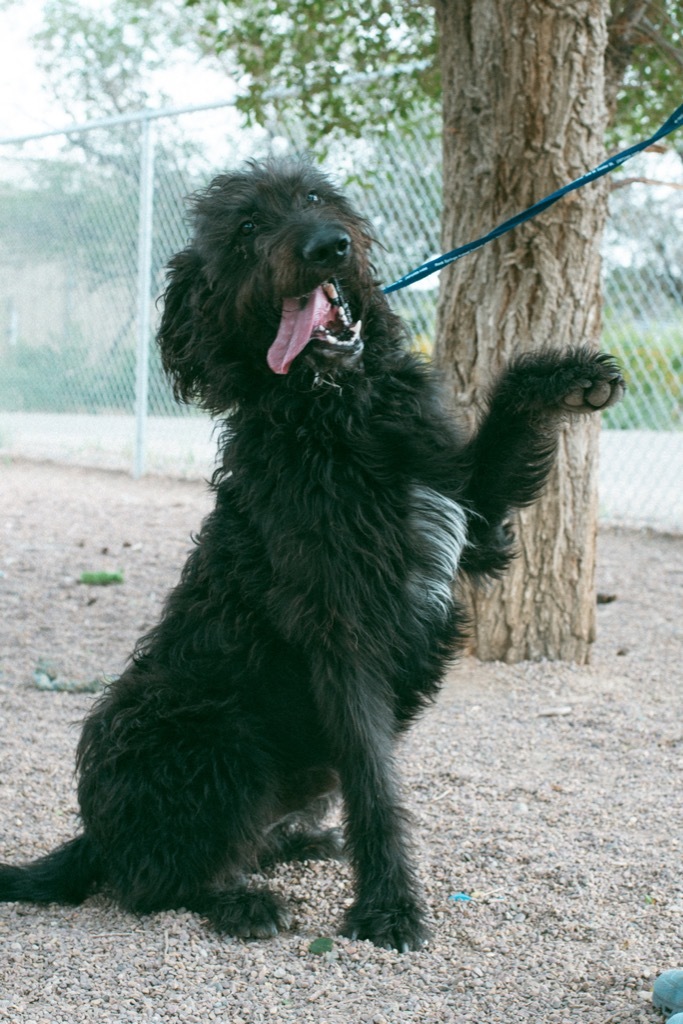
x: 312, y: 197
x: 247, y: 226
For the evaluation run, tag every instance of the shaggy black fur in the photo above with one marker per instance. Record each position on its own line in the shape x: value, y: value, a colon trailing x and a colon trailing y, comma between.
x: 315, y: 616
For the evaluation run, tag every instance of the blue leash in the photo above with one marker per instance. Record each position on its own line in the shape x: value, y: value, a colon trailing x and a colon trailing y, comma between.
x: 670, y: 125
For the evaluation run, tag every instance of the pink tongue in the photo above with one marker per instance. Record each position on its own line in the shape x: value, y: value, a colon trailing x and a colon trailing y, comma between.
x: 296, y: 328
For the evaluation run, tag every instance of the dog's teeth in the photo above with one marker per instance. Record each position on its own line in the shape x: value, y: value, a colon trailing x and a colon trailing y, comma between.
x: 355, y: 328
x: 331, y: 292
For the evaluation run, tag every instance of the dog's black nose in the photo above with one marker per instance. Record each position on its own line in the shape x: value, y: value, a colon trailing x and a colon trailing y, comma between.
x: 329, y: 245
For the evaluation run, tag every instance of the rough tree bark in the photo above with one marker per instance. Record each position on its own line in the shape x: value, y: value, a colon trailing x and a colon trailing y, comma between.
x: 524, y: 108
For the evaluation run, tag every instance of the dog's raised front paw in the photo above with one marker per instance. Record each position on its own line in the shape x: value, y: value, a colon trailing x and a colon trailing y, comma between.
x: 400, y: 928
x: 578, y: 380
x: 599, y: 385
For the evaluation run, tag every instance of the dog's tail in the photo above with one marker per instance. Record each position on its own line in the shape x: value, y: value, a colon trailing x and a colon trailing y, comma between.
x: 66, y: 875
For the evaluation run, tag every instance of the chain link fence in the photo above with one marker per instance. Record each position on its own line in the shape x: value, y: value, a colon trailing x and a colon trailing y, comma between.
x: 89, y: 217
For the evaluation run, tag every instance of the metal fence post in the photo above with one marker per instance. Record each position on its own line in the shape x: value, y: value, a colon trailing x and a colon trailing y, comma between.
x: 144, y: 292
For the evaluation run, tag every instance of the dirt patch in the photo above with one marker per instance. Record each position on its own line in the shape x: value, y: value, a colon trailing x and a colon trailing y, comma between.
x: 546, y: 793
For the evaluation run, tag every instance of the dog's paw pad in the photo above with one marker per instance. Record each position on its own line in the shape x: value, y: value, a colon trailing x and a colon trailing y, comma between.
x: 588, y: 395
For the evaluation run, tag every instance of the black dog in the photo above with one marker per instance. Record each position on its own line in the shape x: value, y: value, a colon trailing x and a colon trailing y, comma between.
x: 315, y: 616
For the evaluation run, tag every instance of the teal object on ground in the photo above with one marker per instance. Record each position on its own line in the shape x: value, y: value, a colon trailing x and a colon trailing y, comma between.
x: 667, y: 994
x: 676, y: 1019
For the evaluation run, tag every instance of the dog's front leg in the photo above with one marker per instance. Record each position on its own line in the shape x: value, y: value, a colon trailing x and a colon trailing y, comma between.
x: 387, y: 908
x: 510, y: 457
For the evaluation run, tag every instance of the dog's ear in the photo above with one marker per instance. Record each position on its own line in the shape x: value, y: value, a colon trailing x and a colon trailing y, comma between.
x: 179, y: 332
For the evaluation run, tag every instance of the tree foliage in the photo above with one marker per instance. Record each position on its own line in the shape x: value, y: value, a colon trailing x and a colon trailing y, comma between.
x: 343, y: 67
x: 646, y: 45
x: 336, y: 67
x: 333, y: 68
x: 109, y: 59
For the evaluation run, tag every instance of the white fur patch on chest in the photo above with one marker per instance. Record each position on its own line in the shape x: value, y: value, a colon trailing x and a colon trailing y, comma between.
x: 442, y: 526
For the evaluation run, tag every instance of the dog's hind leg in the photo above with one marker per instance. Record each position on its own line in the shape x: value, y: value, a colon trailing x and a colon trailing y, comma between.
x: 247, y: 911
x: 299, y: 836
x: 177, y: 805
x: 288, y: 843
x: 205, y: 874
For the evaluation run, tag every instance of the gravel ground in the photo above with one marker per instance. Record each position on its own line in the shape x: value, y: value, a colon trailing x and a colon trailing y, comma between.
x: 548, y: 793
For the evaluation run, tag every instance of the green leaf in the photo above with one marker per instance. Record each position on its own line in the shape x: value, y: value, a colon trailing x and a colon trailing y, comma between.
x: 320, y: 946
x: 101, y: 579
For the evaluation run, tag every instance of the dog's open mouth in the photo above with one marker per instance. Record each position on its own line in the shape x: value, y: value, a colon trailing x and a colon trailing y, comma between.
x: 321, y: 317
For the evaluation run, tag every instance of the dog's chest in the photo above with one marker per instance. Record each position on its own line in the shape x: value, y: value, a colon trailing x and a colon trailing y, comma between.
x: 439, y: 526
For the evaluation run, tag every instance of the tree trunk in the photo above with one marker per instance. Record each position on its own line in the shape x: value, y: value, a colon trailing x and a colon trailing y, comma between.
x: 524, y: 112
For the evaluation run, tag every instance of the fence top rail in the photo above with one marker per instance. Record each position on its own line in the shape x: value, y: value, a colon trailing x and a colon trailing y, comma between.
x: 111, y: 122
